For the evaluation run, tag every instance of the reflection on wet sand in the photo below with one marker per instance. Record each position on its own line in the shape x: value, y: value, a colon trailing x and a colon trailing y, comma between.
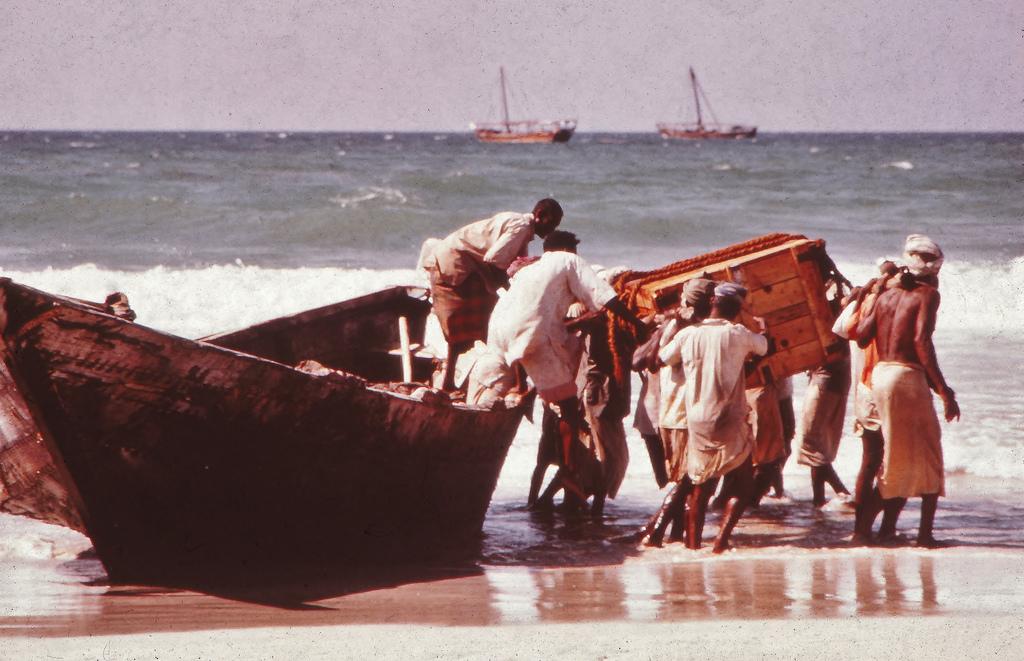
x: 825, y: 600
x: 902, y: 582
x: 586, y: 593
x: 684, y: 592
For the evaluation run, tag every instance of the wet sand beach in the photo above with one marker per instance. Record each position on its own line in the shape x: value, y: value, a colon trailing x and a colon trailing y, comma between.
x: 574, y: 589
x: 857, y: 602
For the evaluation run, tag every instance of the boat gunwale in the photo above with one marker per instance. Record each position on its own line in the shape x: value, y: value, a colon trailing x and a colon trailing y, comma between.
x: 56, y: 300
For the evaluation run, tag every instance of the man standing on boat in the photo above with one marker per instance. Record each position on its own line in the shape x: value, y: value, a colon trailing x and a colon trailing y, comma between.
x: 467, y: 268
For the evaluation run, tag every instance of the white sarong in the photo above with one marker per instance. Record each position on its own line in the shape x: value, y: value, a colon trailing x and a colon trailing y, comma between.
x: 912, y: 465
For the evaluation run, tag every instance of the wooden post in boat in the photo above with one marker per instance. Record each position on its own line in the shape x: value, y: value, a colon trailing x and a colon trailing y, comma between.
x: 403, y: 337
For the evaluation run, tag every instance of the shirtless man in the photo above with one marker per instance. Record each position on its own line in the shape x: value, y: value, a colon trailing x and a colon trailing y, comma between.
x: 901, y: 326
x: 867, y: 424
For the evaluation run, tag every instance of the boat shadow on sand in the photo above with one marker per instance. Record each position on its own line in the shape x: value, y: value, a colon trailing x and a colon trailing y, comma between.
x: 287, y: 587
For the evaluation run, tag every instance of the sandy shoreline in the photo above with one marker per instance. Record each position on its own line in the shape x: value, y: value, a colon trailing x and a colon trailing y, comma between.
x: 998, y: 637
x: 968, y: 601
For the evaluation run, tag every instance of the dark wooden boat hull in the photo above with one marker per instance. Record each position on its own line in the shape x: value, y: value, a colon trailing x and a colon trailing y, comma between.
x: 184, y: 458
x: 560, y: 135
x: 677, y: 133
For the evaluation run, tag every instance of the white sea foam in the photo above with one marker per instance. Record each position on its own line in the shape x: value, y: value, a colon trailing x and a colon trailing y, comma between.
x: 976, y: 297
x: 193, y: 303
x: 722, y: 167
x: 367, y: 193
x: 977, y: 338
x: 899, y: 165
x: 27, y: 539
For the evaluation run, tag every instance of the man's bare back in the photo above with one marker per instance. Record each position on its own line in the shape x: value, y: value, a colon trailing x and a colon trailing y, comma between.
x: 901, y: 325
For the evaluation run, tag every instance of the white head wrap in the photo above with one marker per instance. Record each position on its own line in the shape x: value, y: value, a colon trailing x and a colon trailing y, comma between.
x: 919, y: 243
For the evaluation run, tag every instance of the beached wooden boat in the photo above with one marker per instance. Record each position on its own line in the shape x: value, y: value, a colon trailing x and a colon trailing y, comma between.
x: 701, y: 130
x: 790, y: 279
x: 181, y: 457
x: 522, y: 131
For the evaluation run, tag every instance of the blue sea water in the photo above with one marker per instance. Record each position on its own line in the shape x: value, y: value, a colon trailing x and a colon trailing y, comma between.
x: 214, y: 231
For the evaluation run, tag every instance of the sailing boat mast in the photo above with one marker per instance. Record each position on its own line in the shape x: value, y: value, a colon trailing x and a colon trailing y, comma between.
x: 696, y: 97
x: 504, y: 99
x: 691, y: 131
x: 523, y: 130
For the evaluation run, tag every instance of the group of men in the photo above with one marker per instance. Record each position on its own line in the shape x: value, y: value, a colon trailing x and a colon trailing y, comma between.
x: 695, y: 414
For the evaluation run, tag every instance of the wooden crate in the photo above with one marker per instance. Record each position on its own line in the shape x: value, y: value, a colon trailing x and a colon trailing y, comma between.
x: 786, y: 287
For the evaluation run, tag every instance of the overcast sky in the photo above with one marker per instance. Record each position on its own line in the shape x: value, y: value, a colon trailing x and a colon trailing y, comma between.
x: 433, y: 64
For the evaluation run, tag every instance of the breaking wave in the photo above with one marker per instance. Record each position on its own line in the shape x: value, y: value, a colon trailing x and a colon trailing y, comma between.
x: 368, y: 193
x: 977, y: 336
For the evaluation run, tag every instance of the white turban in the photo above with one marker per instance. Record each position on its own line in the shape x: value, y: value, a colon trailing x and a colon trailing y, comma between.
x: 919, y: 243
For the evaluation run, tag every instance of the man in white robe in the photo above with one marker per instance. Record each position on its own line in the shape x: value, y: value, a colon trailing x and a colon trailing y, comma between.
x: 696, y: 299
x: 528, y: 325
x: 720, y: 439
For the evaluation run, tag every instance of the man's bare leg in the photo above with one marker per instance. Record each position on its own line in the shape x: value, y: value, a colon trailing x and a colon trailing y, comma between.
x: 546, y: 501
x: 568, y: 428
x: 925, y: 537
x: 696, y: 511
x: 656, y: 451
x: 822, y: 475
x: 764, y: 477
x: 546, y: 453
x: 455, y: 349
x: 719, y: 502
x: 536, y: 480
x: 742, y: 490
x: 788, y: 432
x: 597, y: 506
x: 832, y: 478
x: 869, y: 503
x: 672, y: 510
x: 677, y: 515
x: 654, y: 531
x: 891, y: 509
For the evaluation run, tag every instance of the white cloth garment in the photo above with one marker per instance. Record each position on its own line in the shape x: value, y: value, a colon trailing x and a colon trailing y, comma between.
x: 489, y: 378
x: 497, y: 240
x: 528, y: 322
x: 672, y: 377
x: 713, y: 353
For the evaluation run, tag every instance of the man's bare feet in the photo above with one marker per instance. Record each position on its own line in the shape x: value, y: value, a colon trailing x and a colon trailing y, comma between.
x: 721, y: 547
x: 859, y: 539
x: 892, y: 540
x: 542, y: 505
x: 930, y: 542
x: 653, y: 541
